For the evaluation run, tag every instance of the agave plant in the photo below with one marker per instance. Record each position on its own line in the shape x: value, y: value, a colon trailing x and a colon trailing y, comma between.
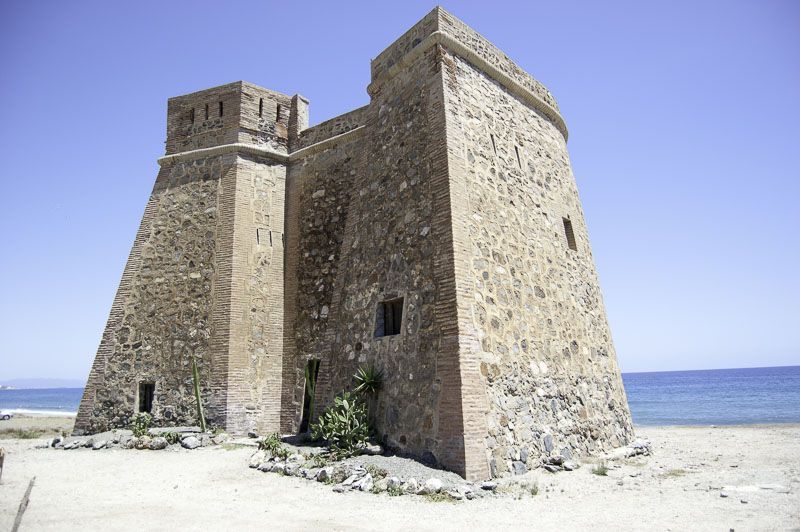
x: 368, y: 380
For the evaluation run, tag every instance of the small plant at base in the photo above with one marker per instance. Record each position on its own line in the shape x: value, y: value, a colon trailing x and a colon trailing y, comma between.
x: 395, y: 491
x: 273, y: 445
x: 376, y: 472
x: 140, y: 423
x: 535, y: 490
x: 343, y: 426
x: 317, y: 460
x: 172, y: 437
x: 368, y: 380
x: 601, y: 470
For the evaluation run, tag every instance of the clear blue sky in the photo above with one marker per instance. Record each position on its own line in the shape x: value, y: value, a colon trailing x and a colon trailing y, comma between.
x: 685, y: 140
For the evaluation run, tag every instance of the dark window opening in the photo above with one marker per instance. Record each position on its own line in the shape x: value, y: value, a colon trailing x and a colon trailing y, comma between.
x: 519, y: 161
x: 494, y: 145
x: 146, y: 392
x: 221, y: 109
x: 570, y: 235
x: 389, y: 318
x: 206, y: 111
x: 191, y: 115
x: 278, y: 113
x: 312, y: 370
x: 261, y: 107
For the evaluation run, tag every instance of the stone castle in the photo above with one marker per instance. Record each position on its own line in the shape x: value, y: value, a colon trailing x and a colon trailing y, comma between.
x: 435, y: 233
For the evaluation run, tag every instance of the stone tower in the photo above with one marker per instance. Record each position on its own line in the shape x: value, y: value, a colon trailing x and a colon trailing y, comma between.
x: 435, y: 233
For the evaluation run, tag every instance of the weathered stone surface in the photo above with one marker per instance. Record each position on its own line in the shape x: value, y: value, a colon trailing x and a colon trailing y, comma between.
x: 190, y: 442
x: 158, y: 443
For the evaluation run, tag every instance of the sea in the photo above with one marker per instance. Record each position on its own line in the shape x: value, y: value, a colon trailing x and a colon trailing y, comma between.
x: 703, y: 397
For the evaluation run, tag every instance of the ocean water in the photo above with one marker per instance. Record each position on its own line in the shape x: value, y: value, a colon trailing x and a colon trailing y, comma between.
x: 705, y: 397
x: 53, y: 401
x: 715, y: 397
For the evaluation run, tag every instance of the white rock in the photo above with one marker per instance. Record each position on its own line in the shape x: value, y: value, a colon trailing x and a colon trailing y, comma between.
x: 410, y: 486
x: 432, y: 485
x: 257, y: 458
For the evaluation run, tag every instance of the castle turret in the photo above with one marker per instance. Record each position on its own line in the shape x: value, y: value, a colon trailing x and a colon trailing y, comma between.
x: 204, y: 279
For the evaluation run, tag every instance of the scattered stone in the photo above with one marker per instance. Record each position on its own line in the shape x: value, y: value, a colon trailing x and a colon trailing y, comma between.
x: 551, y: 468
x: 743, y: 501
x: 56, y: 441
x: 352, y: 478
x: 220, y: 438
x: 456, y: 495
x: 381, y: 485
x: 291, y: 468
x: 257, y: 458
x: 338, y: 488
x: 99, y: 444
x: 488, y: 485
x: 88, y: 443
x: 432, y: 485
x: 555, y: 460
x: 143, y: 442
x: 296, y: 459
x: 569, y: 465
x: 324, y: 474
x: 266, y: 466
x: 519, y: 467
x: 124, y: 440
x: 190, y: 442
x: 393, y: 482
x: 372, y: 449
x: 410, y: 485
x: 364, y: 483
x: 723, y: 494
x: 158, y: 443
x: 279, y: 467
x: 252, y: 434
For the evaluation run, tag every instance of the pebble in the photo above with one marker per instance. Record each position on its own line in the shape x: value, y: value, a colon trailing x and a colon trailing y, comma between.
x: 723, y: 494
x: 432, y: 485
x: 257, y: 458
x: 410, y: 485
x: 158, y: 443
x: 488, y: 485
x: 190, y: 442
x: 324, y: 474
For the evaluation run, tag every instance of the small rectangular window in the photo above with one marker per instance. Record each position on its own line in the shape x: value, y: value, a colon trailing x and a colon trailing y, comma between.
x: 278, y: 113
x: 261, y: 107
x: 221, y: 109
x: 206, y: 111
x: 191, y: 115
x: 570, y: 235
x: 390, y: 318
x: 147, y: 391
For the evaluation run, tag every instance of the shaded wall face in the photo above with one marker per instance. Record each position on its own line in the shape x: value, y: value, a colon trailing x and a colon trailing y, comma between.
x: 318, y: 198
x: 366, y: 236
x: 165, y: 316
x: 547, y: 357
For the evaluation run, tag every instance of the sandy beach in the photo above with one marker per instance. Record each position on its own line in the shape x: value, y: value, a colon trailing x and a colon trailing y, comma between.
x: 680, y: 487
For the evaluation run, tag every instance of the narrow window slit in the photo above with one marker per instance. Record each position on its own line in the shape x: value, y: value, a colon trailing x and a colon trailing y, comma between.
x: 221, y: 109
x: 261, y: 107
x: 191, y: 115
x: 278, y: 113
x: 494, y: 145
x: 206, y: 111
x: 570, y: 235
x: 519, y: 161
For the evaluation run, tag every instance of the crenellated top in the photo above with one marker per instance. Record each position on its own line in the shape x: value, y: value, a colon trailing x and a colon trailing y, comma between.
x: 440, y: 27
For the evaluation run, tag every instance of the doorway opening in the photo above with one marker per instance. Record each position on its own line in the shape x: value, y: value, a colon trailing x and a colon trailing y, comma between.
x: 146, y: 392
x: 312, y: 370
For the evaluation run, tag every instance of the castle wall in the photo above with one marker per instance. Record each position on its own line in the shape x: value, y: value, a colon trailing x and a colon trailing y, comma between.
x: 318, y: 192
x: 165, y: 306
x: 535, y: 305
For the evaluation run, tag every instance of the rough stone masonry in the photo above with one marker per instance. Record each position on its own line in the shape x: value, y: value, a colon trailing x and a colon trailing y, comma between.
x: 435, y: 234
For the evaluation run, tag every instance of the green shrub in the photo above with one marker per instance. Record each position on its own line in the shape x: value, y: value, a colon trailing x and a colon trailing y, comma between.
x: 395, y: 491
x: 273, y: 445
x: 343, y: 426
x: 368, y: 380
x: 140, y: 423
x: 172, y: 437
x: 600, y: 470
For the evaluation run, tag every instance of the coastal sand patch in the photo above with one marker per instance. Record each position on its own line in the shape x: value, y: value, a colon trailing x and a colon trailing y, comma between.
x: 212, y: 488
